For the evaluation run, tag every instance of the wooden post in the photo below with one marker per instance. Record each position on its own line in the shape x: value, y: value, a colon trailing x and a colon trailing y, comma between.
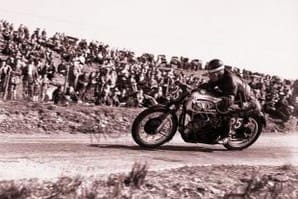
x: 66, y: 83
x: 7, y: 82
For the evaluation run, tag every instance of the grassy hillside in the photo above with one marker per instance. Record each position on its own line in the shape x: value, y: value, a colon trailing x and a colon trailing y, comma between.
x: 185, y: 182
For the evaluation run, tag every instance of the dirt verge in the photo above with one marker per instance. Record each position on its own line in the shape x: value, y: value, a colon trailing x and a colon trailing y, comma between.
x: 28, y: 118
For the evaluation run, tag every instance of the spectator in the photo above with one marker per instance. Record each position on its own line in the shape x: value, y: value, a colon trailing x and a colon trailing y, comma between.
x: 58, y: 96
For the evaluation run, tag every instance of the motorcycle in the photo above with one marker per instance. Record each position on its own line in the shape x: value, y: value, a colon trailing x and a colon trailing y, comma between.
x: 199, y: 119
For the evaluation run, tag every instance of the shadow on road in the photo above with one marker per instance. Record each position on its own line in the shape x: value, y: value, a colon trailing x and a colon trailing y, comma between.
x: 161, y: 148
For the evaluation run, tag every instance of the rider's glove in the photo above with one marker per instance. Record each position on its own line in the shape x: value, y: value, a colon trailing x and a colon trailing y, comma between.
x: 224, y: 104
x: 246, y: 105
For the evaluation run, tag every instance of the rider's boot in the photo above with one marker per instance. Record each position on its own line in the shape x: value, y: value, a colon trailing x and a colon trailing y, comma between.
x: 225, y: 137
x: 223, y: 140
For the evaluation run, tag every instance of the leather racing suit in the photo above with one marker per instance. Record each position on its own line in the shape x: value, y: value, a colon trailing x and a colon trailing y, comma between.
x: 233, y: 90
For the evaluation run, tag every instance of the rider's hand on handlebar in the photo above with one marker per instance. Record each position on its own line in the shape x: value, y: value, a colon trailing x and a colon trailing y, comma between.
x: 185, y: 87
x: 224, y: 104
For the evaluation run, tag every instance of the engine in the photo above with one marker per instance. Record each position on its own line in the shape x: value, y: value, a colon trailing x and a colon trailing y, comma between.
x: 202, y: 123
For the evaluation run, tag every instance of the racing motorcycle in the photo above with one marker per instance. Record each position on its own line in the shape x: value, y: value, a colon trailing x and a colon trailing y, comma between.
x: 197, y: 116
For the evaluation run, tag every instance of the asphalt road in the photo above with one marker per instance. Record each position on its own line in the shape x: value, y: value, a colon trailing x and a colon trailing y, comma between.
x: 50, y: 156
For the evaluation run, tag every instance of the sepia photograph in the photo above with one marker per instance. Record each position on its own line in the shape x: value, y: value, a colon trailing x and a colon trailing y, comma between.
x: 148, y: 99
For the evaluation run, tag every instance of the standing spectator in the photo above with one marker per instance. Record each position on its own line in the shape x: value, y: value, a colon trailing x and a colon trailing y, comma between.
x: 44, y: 85
x: 29, y: 78
x: 50, y: 70
x: 16, y: 80
x: 5, y: 78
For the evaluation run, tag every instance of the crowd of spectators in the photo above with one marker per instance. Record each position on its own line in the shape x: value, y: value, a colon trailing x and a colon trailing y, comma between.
x: 276, y: 95
x: 65, y: 69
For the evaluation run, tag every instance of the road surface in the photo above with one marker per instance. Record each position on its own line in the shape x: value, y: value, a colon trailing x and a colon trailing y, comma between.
x: 50, y: 156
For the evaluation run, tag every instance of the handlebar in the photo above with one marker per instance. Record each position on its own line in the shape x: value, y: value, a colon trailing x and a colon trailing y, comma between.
x: 184, y: 87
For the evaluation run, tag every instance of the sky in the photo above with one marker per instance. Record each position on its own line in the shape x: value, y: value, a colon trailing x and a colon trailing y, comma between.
x: 259, y: 35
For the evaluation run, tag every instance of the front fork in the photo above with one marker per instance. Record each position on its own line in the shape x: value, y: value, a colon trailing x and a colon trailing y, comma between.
x: 164, y: 118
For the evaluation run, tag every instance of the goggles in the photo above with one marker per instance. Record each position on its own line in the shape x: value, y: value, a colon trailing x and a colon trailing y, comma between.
x: 216, y: 69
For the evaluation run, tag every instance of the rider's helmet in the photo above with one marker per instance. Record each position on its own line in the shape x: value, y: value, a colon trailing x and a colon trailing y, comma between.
x: 214, y: 65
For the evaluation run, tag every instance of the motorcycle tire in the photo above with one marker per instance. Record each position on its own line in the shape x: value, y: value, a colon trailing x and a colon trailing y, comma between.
x: 153, y: 123
x: 231, y: 146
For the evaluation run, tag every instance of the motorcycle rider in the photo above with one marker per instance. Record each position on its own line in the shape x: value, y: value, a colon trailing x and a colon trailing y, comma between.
x: 233, y: 90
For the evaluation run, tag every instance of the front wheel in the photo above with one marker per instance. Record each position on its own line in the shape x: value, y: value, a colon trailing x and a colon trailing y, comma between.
x: 154, y: 127
x: 246, y: 135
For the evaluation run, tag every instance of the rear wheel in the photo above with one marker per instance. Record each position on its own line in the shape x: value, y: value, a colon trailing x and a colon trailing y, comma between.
x: 154, y: 127
x: 246, y: 135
